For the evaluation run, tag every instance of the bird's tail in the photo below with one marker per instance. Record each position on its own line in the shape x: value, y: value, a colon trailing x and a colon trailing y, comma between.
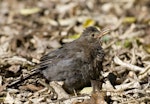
x: 22, y: 79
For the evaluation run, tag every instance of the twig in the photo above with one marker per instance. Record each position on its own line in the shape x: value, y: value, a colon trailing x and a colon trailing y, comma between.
x: 143, y: 71
x: 127, y: 65
x: 127, y: 86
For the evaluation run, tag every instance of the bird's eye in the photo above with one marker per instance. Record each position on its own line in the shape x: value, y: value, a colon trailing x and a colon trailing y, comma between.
x: 93, y: 35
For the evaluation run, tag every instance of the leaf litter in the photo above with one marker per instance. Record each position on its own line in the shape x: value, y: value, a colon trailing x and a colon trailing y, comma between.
x: 30, y: 29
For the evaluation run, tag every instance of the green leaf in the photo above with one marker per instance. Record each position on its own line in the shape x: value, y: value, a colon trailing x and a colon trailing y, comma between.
x: 129, y: 20
x: 29, y: 11
x: 127, y: 43
x: 118, y: 43
x: 86, y: 90
x: 105, y: 38
x: 147, y: 48
x: 88, y: 22
x: 75, y: 36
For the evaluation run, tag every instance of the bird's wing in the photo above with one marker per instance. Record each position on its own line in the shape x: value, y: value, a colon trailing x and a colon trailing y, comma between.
x: 64, y: 53
x: 52, y: 57
x: 62, y: 63
x: 58, y: 53
x: 68, y: 50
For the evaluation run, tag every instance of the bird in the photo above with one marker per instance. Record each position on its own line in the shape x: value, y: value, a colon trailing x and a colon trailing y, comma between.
x: 75, y: 63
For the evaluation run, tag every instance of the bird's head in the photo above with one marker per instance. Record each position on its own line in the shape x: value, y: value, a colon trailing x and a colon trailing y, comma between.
x: 92, y: 34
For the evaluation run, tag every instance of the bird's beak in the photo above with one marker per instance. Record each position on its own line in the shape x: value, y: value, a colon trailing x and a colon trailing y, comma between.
x: 104, y: 31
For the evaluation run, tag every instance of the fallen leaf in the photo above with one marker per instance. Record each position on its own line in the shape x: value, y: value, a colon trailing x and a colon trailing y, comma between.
x: 31, y: 87
x: 129, y: 20
x: 88, y: 22
x: 86, y: 90
x: 9, y: 99
x: 75, y: 36
x: 30, y: 11
x: 14, y: 68
x: 2, y: 87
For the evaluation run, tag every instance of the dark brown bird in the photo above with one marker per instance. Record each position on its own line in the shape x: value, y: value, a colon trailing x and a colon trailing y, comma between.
x: 75, y: 63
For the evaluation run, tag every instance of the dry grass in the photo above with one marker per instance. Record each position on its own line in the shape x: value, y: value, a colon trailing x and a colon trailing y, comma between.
x: 31, y: 28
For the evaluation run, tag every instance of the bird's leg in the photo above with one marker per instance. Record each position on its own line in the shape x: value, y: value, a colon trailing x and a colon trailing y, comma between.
x: 97, y: 85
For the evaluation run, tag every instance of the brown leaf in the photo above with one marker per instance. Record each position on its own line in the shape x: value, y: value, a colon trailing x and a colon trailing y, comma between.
x: 31, y: 87
x: 14, y: 68
x: 98, y: 98
x: 2, y: 87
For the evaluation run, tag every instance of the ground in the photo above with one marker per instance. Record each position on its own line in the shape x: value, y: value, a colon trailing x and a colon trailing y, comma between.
x: 31, y: 28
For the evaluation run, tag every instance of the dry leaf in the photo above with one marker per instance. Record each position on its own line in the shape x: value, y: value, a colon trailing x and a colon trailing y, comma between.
x: 14, y: 68
x: 2, y: 87
x: 9, y: 99
x: 29, y: 11
x: 31, y: 87
x: 86, y: 90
